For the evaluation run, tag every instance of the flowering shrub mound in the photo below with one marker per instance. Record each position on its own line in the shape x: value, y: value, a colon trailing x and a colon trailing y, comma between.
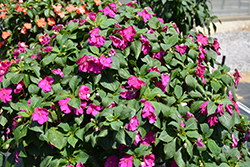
x: 103, y: 84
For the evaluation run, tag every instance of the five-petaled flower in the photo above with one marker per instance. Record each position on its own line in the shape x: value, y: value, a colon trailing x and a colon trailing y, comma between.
x: 40, y: 115
x: 45, y: 84
x: 5, y: 94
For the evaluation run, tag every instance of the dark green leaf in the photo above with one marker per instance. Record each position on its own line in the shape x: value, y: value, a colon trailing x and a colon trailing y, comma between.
x: 191, y: 124
x: 213, y: 147
x: 191, y: 81
x: 170, y: 148
x: 46, y: 161
x: 56, y: 138
x: 75, y: 102
x: 136, y: 47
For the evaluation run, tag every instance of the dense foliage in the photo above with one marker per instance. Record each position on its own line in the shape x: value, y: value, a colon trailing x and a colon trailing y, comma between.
x: 185, y: 13
x: 91, y: 82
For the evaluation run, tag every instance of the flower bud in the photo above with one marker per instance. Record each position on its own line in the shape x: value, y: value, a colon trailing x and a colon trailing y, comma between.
x: 185, y: 145
x: 7, y: 146
x: 1, y: 111
x: 97, y: 95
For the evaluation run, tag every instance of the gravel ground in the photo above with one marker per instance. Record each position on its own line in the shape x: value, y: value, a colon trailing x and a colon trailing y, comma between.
x: 235, y: 46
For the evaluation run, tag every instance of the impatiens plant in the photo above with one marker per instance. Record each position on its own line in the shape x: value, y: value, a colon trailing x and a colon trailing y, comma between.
x: 91, y: 83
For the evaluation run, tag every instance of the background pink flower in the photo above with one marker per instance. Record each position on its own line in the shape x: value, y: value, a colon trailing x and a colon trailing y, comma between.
x: 5, y: 94
x: 126, y: 161
x: 45, y: 84
x: 112, y: 161
x: 40, y: 115
x: 132, y: 125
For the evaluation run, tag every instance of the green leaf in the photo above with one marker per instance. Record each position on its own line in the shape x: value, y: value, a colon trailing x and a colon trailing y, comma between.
x: 178, y: 157
x: 211, y: 108
x: 136, y: 47
x: 33, y: 89
x: 72, y: 140
x: 65, y: 126
x: 153, y: 22
x: 115, y: 63
x: 82, y: 157
x: 48, y: 59
x: 156, y: 48
x: 170, y: 42
x: 20, y: 132
x: 191, y: 124
x: 107, y: 101
x: 191, y: 81
x: 94, y: 49
x: 116, y: 125
x: 120, y: 137
x: 189, y: 148
x: 178, y: 91
x: 75, y: 102
x: 170, y: 148
x: 56, y: 138
x: 164, y: 136
x: 3, y: 120
x: 227, y: 120
x: 16, y: 78
x: 193, y: 134
x: 72, y: 26
x: 46, y: 161
x: 23, y: 114
x: 213, y: 147
x: 108, y: 23
x: 108, y: 82
x: 124, y: 73
x: 142, y: 150
x: 74, y: 82
x: 215, y: 85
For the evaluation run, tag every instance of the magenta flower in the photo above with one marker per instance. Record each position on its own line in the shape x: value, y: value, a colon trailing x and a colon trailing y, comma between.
x: 19, y: 87
x: 84, y: 92
x: 137, y: 138
x: 64, y: 105
x: 201, y: 55
x: 201, y: 39
x: 155, y: 68
x: 235, y: 142
x: 133, y: 124
x: 112, y: 161
x: 181, y: 48
x: 173, y: 163
x: 128, y: 33
x: 229, y: 109
x: 199, y: 143
x: 79, y: 164
x: 182, y: 124
x: 160, y: 20
x: 105, y: 61
x: 108, y: 11
x: 148, y: 112
x: 95, y: 39
x: 148, y: 138
x: 236, y: 106
x: 45, y: 84
x: 40, y: 115
x: 145, y: 15
x: 48, y: 49
x: 92, y: 16
x: 45, y: 39
x: 200, y: 72
x: 113, y: 6
x: 93, y: 109
x: 176, y: 28
x: 148, y: 161
x: 121, y: 147
x: 5, y: 94
x: 135, y: 82
x: 247, y: 135
x: 204, y: 108
x: 127, y: 94
x: 237, y: 77
x: 189, y: 115
x: 126, y: 161
x: 82, y: 107
x: 165, y: 79
x: 212, y: 120
x: 216, y: 46
x: 112, y: 52
x: 16, y: 155
x: 230, y: 95
x: 131, y: 4
x: 58, y: 72
x: 220, y: 109
x: 146, y: 47
x: 117, y: 42
x: 159, y: 55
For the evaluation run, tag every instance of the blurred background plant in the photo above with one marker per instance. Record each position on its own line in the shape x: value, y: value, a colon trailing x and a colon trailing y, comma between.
x: 187, y: 14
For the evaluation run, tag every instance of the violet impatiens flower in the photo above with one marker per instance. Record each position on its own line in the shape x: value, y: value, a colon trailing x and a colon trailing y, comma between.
x: 19, y: 87
x: 95, y: 39
x: 58, y: 72
x: 148, y: 112
x: 16, y: 153
x: 181, y: 48
x: 79, y: 164
x: 45, y: 84
x: 5, y: 94
x: 108, y: 11
x: 84, y: 92
x: 229, y: 109
x: 113, y: 6
x: 212, y: 120
x: 202, y: 40
x: 137, y: 138
x: 117, y: 42
x: 48, y: 49
x: 133, y: 123
x: 145, y: 15
x: 216, y: 46
x: 146, y: 47
x: 237, y: 77
x: 199, y: 143
x: 128, y: 33
x: 148, y: 161
x: 112, y: 161
x: 40, y: 115
x: 63, y: 103
x: 182, y: 124
x: 220, y: 109
x: 204, y: 108
x: 135, y: 82
x: 200, y: 72
x: 230, y: 95
x: 235, y: 142
x: 148, y: 138
x: 93, y: 109
x: 165, y: 79
x: 126, y: 161
x: 106, y: 61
